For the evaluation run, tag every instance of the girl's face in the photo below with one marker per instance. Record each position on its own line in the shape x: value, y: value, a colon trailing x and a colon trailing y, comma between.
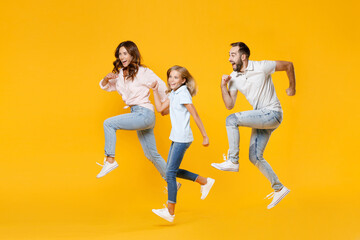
x: 175, y: 80
x: 124, y: 57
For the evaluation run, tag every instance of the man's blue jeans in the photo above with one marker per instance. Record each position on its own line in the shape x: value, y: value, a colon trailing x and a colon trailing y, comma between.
x: 263, y: 122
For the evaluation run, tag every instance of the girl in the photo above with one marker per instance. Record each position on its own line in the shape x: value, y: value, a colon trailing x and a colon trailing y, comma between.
x: 182, y: 88
x: 130, y: 79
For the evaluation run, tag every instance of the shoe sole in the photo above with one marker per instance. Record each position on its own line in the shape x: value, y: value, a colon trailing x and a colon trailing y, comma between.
x: 212, y: 184
x: 226, y: 170
x: 276, y: 203
x: 162, y: 217
x: 110, y: 169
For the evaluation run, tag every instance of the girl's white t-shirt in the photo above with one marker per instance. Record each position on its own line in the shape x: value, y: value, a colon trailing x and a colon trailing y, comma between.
x: 180, y: 116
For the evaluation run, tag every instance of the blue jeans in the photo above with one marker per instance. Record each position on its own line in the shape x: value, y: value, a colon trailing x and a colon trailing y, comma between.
x: 263, y: 122
x: 176, y: 154
x: 142, y: 120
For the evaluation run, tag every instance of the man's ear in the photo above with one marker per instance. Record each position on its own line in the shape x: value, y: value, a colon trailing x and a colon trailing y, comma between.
x: 243, y: 57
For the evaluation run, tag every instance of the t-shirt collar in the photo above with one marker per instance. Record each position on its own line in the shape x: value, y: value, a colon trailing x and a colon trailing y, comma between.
x: 182, y: 87
x: 250, y: 67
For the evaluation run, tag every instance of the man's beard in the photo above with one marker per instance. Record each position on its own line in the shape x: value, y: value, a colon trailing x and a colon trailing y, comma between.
x: 239, y: 66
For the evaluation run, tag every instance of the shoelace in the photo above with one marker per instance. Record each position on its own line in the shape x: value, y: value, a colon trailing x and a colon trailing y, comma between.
x: 226, y: 158
x: 271, y: 195
x: 101, y: 164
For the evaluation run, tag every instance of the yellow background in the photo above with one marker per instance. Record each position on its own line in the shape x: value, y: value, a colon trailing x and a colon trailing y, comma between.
x: 53, y: 54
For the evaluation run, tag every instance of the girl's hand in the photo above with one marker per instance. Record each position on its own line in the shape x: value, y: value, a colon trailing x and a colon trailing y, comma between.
x: 206, y: 141
x: 154, y: 85
x: 110, y: 76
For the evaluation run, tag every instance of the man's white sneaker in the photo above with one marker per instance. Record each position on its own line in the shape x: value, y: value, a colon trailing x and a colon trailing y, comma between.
x: 277, y: 197
x: 227, y: 165
x: 205, y: 189
x: 106, y: 168
x: 164, y: 213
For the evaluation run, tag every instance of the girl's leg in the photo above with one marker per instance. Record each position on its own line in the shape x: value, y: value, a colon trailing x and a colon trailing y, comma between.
x: 176, y: 154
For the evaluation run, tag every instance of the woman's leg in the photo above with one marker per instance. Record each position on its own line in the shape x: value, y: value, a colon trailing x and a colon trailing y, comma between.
x: 147, y: 140
x: 129, y: 121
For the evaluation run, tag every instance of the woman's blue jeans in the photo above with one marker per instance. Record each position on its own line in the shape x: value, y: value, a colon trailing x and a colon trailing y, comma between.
x: 142, y: 120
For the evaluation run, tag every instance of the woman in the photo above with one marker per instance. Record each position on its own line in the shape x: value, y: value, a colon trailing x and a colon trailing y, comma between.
x: 131, y: 80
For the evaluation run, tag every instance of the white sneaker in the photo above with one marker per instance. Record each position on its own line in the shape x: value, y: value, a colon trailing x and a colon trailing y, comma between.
x: 205, y: 189
x: 164, y: 213
x: 227, y: 165
x: 277, y: 197
x: 106, y: 168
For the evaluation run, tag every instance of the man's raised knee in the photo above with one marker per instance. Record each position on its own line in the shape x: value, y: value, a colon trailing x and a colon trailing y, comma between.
x: 231, y: 121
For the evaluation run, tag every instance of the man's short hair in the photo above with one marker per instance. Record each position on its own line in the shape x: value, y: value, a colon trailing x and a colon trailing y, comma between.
x: 243, y: 49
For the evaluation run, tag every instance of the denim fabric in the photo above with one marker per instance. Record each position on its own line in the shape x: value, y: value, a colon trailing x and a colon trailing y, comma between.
x: 142, y: 120
x: 176, y: 154
x: 263, y: 122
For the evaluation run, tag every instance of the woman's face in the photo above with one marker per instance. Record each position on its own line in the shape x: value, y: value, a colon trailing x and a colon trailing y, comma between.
x: 175, y: 80
x: 124, y: 57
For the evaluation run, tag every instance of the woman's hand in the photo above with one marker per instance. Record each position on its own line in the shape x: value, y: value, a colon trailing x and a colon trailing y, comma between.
x: 206, y: 141
x: 110, y: 76
x: 154, y: 85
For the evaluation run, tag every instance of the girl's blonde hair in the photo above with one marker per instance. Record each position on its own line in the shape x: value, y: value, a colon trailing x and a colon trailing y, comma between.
x: 190, y: 81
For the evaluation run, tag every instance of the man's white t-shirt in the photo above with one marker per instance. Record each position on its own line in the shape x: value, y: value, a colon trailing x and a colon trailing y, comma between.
x: 256, y: 84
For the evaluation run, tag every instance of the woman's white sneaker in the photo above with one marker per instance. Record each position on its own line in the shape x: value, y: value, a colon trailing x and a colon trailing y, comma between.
x: 205, y: 189
x: 227, y: 165
x: 277, y: 197
x: 106, y: 168
x: 164, y: 213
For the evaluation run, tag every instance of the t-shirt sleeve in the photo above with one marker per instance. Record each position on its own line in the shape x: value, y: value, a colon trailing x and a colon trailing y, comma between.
x: 231, y: 83
x: 268, y: 66
x: 152, y: 77
x: 185, y: 97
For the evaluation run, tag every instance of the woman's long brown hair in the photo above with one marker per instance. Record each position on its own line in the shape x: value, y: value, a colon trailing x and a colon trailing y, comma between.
x: 135, y: 63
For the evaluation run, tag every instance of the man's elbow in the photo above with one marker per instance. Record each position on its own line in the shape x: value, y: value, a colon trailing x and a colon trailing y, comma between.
x: 290, y: 66
x: 229, y: 107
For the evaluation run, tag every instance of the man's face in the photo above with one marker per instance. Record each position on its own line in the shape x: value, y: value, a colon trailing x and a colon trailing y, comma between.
x: 235, y: 59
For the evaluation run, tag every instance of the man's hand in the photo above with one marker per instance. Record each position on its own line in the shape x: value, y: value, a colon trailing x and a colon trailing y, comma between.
x: 290, y: 91
x: 225, y: 79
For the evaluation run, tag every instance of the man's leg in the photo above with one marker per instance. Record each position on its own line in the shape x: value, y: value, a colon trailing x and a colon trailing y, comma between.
x: 260, y: 119
x: 258, y: 142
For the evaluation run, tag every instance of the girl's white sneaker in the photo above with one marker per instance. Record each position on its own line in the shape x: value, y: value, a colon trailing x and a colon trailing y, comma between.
x: 164, y: 213
x: 205, y: 189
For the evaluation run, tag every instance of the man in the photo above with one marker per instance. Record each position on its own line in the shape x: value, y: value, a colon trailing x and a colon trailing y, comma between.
x: 253, y: 79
